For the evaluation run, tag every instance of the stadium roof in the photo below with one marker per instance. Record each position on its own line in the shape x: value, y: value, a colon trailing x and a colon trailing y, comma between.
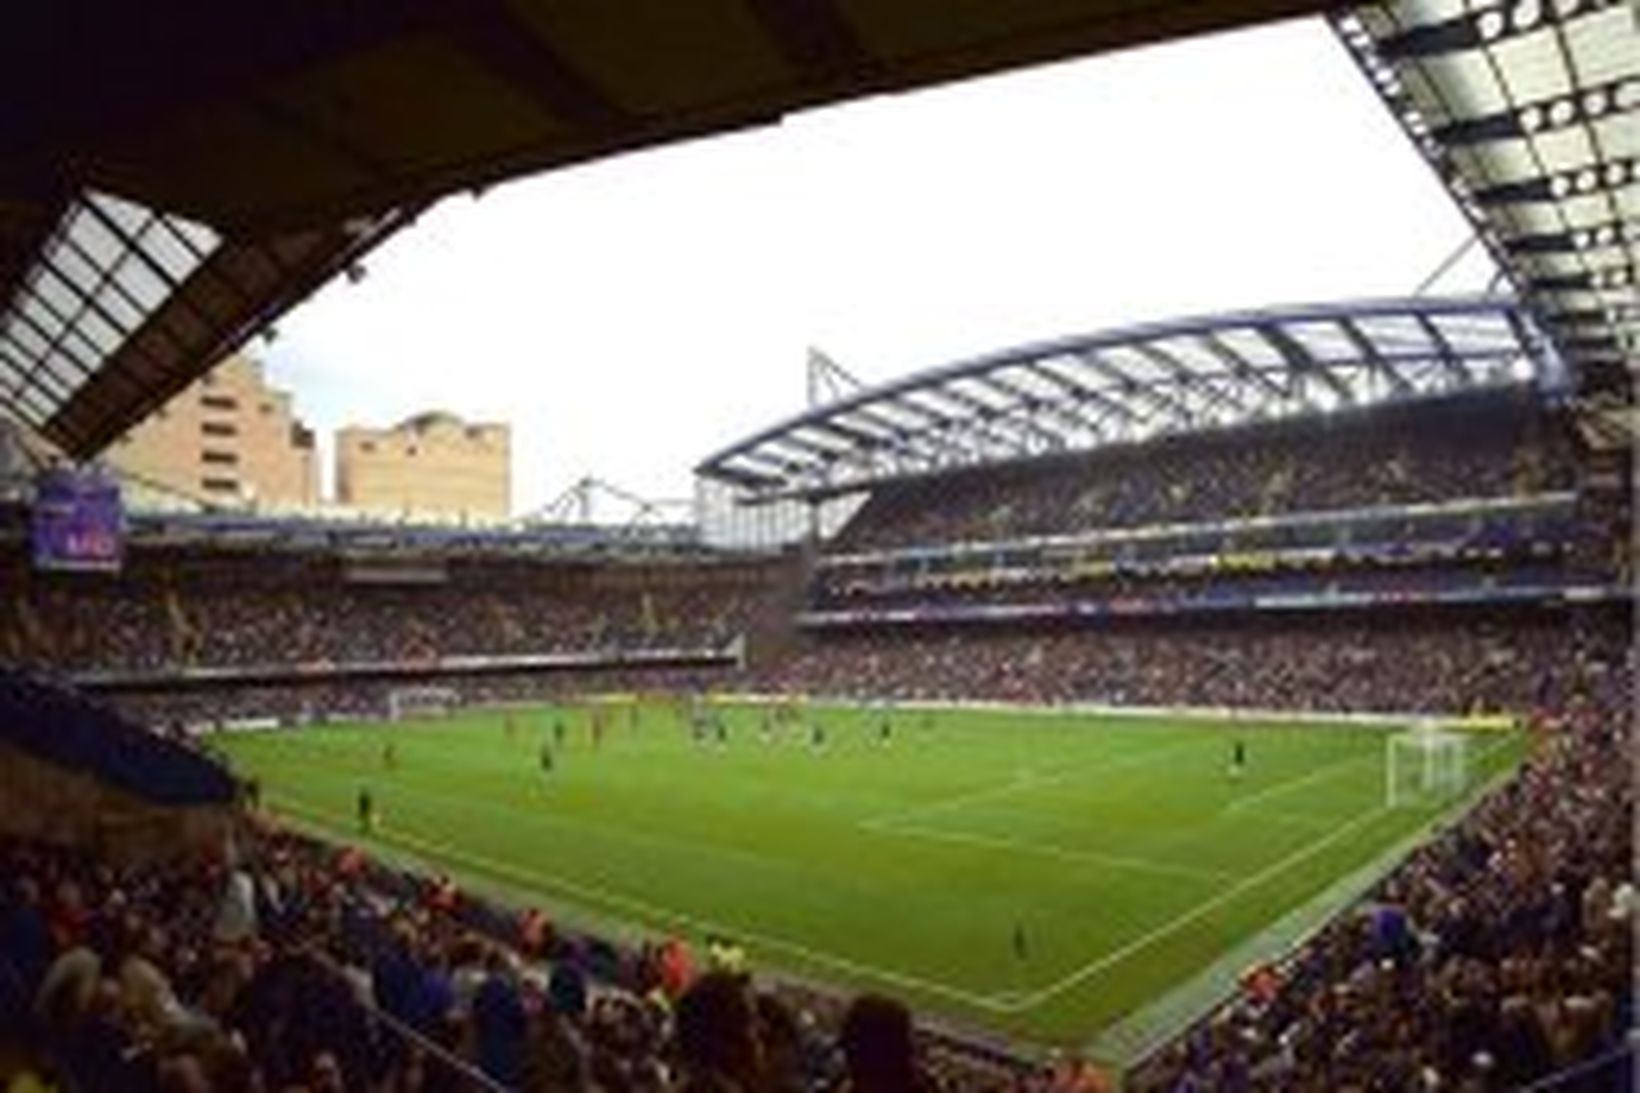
x: 175, y: 176
x: 1529, y: 112
x: 122, y: 306
x: 1142, y: 381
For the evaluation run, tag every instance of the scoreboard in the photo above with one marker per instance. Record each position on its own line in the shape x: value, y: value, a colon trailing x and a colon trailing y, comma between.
x: 78, y: 522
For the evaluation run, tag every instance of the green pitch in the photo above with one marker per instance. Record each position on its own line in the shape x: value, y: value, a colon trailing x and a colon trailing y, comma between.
x: 1037, y: 875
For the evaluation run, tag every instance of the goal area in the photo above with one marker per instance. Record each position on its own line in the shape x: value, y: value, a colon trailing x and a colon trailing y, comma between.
x: 407, y: 703
x: 1423, y: 765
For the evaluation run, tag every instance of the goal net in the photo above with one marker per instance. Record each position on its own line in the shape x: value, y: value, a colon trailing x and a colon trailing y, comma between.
x: 404, y: 703
x: 1425, y: 765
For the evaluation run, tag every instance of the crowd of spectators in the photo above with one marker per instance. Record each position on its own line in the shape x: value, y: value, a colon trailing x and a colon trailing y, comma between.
x: 1436, y: 661
x: 1427, y: 660
x: 1499, y: 953
x: 1395, y: 455
x: 282, y: 964
x: 219, y: 608
x: 372, y: 699
x: 1199, y: 586
x: 1496, y: 954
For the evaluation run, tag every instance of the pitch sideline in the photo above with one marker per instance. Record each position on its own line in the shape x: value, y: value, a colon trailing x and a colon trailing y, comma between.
x: 613, y: 900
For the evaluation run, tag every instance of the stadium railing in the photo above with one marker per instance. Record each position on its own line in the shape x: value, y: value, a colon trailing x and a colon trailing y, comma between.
x: 467, y: 1076
x: 1611, y: 1072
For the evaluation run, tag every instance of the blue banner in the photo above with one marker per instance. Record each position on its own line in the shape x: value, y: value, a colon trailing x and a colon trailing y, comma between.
x: 78, y: 522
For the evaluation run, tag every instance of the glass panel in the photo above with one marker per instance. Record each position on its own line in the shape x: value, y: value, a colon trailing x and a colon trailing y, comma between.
x: 141, y: 283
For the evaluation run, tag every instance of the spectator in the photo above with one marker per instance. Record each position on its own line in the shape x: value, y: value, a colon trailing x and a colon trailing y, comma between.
x: 878, y: 1049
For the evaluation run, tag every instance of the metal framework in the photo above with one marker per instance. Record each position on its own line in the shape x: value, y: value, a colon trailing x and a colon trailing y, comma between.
x: 123, y: 306
x: 1139, y: 382
x: 1529, y: 113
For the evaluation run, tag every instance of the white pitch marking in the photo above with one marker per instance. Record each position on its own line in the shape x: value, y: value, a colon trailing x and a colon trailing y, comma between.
x: 1037, y: 997
x: 1144, y: 941
x: 642, y: 908
x: 1021, y: 785
x: 1245, y: 804
x: 1049, y: 850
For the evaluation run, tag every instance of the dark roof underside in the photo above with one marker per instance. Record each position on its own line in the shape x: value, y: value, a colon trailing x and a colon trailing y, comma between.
x: 282, y: 141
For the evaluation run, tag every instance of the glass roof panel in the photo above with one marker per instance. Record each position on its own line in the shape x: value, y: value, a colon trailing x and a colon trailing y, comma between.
x: 1025, y: 378
x: 1544, y: 100
x: 982, y: 392
x: 107, y: 266
x: 1252, y: 347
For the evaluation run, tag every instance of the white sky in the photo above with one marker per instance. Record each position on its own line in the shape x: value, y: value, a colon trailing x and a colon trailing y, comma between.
x: 631, y: 316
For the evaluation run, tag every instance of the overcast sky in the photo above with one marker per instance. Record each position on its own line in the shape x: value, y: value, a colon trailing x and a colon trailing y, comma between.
x: 631, y: 316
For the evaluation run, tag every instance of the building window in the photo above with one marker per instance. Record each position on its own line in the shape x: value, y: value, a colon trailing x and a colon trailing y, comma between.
x: 220, y: 485
x: 221, y: 459
x: 218, y: 428
x: 219, y: 402
x: 367, y: 445
x: 266, y: 408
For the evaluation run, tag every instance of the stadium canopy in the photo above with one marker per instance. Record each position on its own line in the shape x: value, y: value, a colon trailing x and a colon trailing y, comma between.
x: 123, y: 306
x: 1140, y: 382
x: 175, y: 176
x: 1529, y: 112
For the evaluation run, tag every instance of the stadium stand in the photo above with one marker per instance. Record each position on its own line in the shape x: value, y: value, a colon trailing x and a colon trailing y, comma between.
x: 1515, y: 922
x: 1493, y: 958
x: 1404, y: 662
x: 218, y: 608
x: 63, y: 727
x: 1498, y: 955
x: 284, y: 963
x: 1399, y: 456
x: 1461, y: 571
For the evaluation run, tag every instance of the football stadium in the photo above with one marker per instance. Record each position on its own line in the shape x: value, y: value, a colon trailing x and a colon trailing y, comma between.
x: 1238, y: 700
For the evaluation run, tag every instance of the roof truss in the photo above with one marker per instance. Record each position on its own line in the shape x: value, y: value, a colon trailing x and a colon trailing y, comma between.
x: 1136, y: 382
x: 1529, y: 113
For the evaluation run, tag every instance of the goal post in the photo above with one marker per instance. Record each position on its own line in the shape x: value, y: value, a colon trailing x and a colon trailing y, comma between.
x: 1426, y: 764
x: 405, y: 703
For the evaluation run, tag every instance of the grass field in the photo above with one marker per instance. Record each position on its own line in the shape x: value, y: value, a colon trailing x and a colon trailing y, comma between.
x: 1118, y: 847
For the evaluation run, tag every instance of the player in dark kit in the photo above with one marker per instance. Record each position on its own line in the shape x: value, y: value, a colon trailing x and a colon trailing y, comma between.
x: 546, y: 760
x: 1238, y: 760
x: 885, y: 731
x: 367, y: 810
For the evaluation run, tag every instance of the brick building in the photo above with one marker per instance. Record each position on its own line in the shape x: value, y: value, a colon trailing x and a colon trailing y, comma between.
x: 433, y: 464
x: 228, y: 438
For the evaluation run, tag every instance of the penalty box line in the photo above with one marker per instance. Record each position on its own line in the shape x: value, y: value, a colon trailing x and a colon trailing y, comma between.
x: 1021, y: 785
x: 1050, y: 851
x: 609, y: 899
x: 1144, y: 941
